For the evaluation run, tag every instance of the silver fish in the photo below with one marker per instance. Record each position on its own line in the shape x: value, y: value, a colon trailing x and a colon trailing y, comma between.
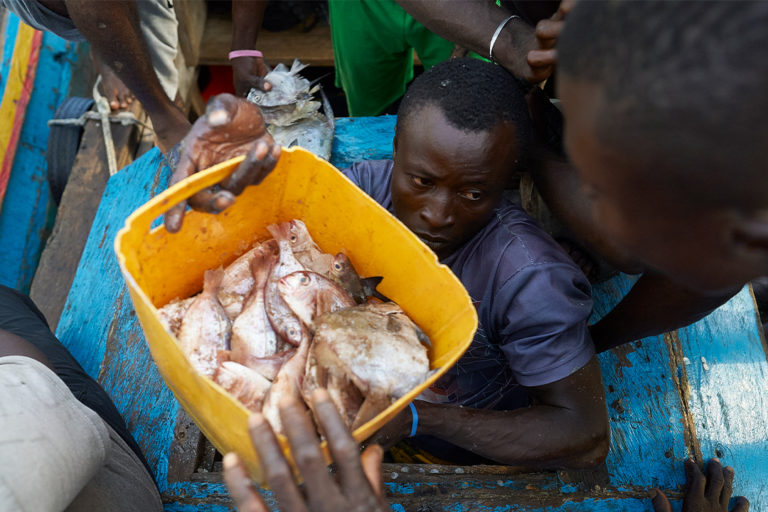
x: 307, y: 251
x: 248, y: 386
x: 206, y: 328
x: 172, y: 314
x: 284, y: 321
x: 287, y: 383
x: 311, y: 295
x: 238, y: 280
x: 376, y: 346
x: 252, y: 334
x: 291, y: 113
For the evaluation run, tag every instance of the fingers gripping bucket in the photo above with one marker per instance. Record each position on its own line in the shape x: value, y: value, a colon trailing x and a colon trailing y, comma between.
x: 159, y: 266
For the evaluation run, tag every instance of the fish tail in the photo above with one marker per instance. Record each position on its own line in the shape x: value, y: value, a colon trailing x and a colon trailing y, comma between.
x: 212, y: 281
x: 280, y: 231
x: 261, y: 264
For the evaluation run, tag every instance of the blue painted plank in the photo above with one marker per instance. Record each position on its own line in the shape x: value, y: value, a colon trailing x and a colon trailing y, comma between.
x: 644, y: 405
x: 362, y: 138
x: 104, y: 335
x: 728, y: 376
x: 10, y: 29
x: 27, y: 213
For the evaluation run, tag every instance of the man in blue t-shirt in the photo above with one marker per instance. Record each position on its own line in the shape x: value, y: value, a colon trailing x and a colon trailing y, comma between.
x: 529, y: 385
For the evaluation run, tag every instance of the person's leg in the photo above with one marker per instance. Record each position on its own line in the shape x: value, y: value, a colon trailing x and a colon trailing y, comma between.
x: 51, y: 445
x: 20, y: 316
x: 121, y: 485
x: 113, y: 29
x: 373, y: 62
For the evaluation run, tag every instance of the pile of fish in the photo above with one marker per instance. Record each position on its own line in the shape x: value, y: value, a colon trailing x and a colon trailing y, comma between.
x: 286, y: 318
x: 292, y: 115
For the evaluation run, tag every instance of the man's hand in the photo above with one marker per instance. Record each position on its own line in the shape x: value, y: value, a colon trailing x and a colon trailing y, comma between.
x: 359, y: 486
x: 230, y: 127
x: 248, y: 73
x: 543, y: 59
x: 710, y: 494
x: 394, y: 431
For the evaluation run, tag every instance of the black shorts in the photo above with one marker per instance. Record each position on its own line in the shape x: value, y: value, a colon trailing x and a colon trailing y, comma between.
x: 20, y: 316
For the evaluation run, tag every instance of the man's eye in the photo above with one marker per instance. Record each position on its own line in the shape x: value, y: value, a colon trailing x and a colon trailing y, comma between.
x: 472, y: 195
x: 422, y: 182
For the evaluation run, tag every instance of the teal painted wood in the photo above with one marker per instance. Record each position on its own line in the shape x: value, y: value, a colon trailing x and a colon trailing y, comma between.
x: 646, y: 384
x: 10, y: 28
x: 98, y: 324
x: 362, y: 138
x: 644, y: 405
x: 726, y: 369
x: 27, y: 212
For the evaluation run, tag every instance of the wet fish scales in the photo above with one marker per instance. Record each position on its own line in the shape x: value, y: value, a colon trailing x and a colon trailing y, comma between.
x: 248, y: 386
x: 311, y: 295
x: 206, y: 328
x: 252, y: 333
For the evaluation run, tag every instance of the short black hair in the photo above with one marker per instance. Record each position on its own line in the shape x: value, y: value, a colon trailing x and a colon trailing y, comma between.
x: 682, y: 83
x: 474, y: 95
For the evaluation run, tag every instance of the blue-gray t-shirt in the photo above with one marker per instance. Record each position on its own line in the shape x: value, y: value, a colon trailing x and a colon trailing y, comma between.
x: 532, y: 304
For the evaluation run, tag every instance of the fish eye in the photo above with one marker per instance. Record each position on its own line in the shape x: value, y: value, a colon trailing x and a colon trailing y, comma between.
x: 294, y: 238
x: 337, y: 266
x: 304, y: 280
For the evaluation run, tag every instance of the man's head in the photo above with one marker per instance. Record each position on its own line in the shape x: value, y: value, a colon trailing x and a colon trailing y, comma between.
x: 665, y: 106
x: 462, y: 128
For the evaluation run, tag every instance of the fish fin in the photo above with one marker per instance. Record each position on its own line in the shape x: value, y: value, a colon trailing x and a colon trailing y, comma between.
x: 373, y: 404
x: 294, y: 142
x: 328, y: 111
x: 369, y: 288
x: 212, y: 280
x: 223, y: 356
x: 423, y: 338
x: 281, y: 231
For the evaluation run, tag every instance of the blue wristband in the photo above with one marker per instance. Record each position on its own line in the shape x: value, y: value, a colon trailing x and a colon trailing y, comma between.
x: 414, y: 420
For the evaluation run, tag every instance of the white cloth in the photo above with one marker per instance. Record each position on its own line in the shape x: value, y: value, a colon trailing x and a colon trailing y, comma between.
x: 57, y: 454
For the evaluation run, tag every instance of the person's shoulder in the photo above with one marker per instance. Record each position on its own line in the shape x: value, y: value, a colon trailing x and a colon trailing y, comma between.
x: 372, y: 177
x: 521, y: 242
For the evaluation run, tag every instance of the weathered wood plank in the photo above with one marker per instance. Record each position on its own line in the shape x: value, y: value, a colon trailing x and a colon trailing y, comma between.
x: 104, y: 335
x: 27, y: 213
x: 727, y: 372
x: 77, y: 209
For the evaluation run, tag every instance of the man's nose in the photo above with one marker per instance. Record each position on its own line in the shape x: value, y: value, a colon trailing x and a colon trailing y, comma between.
x: 438, y: 213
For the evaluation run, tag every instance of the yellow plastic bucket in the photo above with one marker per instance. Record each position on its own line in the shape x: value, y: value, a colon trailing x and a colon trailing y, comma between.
x: 159, y: 266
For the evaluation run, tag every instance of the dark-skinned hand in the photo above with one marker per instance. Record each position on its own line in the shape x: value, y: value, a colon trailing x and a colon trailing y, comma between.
x: 397, y: 429
x: 248, y: 73
x: 230, y: 127
x: 704, y: 494
x: 543, y: 59
x: 359, y: 484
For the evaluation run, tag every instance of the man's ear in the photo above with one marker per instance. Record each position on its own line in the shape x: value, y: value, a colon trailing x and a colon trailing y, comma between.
x: 751, y: 231
x: 394, y: 146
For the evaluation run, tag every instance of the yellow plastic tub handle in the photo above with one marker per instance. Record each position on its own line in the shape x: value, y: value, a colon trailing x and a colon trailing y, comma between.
x: 183, y: 190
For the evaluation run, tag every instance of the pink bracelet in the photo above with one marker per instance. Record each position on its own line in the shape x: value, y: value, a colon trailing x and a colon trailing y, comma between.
x: 244, y: 53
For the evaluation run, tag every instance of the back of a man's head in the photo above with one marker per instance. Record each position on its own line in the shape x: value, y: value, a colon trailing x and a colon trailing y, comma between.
x: 684, y: 85
x: 474, y: 96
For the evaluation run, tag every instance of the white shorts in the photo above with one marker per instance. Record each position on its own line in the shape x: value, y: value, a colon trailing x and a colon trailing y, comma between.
x: 57, y: 454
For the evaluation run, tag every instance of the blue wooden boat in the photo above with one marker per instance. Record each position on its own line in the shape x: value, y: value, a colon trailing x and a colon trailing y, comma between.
x: 697, y: 392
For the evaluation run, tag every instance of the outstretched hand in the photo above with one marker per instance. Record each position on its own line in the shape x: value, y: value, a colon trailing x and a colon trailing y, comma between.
x: 359, y: 486
x: 704, y: 494
x: 230, y: 127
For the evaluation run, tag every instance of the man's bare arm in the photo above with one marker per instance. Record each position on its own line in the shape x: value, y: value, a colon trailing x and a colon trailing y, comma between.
x: 248, y: 72
x: 566, y: 427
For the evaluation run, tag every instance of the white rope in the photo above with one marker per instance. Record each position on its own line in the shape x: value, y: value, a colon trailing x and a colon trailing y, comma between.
x: 102, y: 114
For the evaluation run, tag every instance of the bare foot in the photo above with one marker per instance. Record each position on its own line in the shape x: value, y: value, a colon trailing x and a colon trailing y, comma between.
x: 118, y: 95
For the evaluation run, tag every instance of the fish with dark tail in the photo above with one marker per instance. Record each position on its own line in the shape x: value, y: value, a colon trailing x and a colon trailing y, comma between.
x: 311, y: 295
